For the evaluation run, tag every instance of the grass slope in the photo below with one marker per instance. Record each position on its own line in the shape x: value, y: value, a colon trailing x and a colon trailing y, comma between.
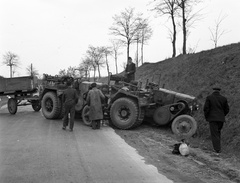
x: 196, y: 74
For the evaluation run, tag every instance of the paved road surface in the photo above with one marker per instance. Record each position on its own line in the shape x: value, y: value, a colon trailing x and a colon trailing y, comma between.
x: 36, y: 150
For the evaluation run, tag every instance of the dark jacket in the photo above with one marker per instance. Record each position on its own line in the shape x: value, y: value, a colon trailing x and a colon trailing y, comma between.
x: 215, y: 107
x: 70, y: 96
x: 130, y: 72
x: 94, y: 98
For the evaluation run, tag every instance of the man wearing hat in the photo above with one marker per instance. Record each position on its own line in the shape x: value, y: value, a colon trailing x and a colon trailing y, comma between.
x: 94, y: 100
x: 215, y: 109
x: 130, y: 70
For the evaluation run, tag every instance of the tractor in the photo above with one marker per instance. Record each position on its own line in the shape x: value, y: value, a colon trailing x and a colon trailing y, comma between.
x: 51, y: 90
x: 128, y: 104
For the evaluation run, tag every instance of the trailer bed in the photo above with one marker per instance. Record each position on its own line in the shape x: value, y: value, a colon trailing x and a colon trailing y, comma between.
x: 12, y: 86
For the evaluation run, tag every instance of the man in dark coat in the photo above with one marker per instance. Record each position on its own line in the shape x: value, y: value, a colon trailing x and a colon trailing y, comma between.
x: 215, y: 109
x: 94, y: 100
x: 130, y: 70
x: 69, y: 99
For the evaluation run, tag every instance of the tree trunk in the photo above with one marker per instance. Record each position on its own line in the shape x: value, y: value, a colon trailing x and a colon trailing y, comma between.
x: 184, y: 28
x: 142, y: 48
x: 94, y: 74
x: 174, y: 36
x: 137, y: 53
x: 10, y: 71
x: 107, y: 65
x: 116, y: 63
x: 99, y: 71
x: 128, y: 47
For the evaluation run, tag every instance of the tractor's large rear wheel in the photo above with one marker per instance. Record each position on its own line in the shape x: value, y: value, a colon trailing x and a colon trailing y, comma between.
x: 124, y: 113
x: 184, y: 126
x: 50, y: 105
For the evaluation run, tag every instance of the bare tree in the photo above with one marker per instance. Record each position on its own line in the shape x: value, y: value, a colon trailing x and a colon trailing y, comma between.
x: 71, y: 71
x: 12, y: 60
x: 96, y: 55
x: 143, y: 35
x: 107, y: 51
x: 146, y: 33
x: 170, y: 9
x: 32, y: 71
x: 189, y: 17
x: 116, y: 45
x: 62, y: 72
x: 216, y: 31
x: 86, y: 66
x: 126, y: 26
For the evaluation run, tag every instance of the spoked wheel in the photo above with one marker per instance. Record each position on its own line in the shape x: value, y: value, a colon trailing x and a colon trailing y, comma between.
x: 184, y: 126
x: 124, y: 113
x: 12, y: 105
x: 85, y: 116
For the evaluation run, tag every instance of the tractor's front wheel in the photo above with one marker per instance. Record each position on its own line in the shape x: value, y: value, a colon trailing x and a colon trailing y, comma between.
x: 124, y: 113
x: 184, y: 126
x: 85, y: 116
x: 50, y: 105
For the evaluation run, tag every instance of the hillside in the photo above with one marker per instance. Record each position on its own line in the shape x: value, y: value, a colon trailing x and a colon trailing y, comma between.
x: 196, y: 74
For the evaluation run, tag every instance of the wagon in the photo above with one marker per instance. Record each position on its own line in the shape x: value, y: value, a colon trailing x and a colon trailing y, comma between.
x: 19, y: 89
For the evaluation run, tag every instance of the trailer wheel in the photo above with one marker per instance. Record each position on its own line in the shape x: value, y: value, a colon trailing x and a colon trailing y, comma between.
x: 124, y: 113
x: 50, y: 106
x: 36, y: 104
x: 85, y: 116
x: 184, y: 126
x: 12, y: 105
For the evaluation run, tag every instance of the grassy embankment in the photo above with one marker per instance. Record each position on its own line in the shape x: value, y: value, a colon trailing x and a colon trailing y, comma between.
x: 196, y: 74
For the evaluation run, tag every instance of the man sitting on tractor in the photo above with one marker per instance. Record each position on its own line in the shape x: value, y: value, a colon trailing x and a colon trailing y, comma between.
x: 130, y: 70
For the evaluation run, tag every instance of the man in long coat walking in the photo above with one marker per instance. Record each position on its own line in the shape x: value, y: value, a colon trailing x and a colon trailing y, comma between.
x: 215, y: 109
x: 94, y: 100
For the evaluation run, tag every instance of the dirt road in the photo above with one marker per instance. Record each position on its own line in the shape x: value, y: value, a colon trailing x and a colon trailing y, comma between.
x: 33, y: 149
x: 155, y: 144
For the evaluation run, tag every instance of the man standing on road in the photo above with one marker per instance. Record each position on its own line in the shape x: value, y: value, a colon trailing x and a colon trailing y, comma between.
x: 94, y: 100
x: 215, y: 109
x: 130, y: 70
x: 69, y: 99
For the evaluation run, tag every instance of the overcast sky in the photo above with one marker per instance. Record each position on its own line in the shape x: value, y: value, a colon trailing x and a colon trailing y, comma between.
x: 55, y: 34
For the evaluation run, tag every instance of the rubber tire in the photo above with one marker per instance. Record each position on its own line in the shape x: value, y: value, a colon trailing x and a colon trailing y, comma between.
x: 182, y: 120
x: 115, y: 118
x: 85, y: 116
x: 162, y: 116
x: 36, y: 104
x: 12, y: 106
x: 54, y: 110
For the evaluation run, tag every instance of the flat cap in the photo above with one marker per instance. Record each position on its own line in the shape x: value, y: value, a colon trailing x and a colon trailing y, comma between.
x: 217, y: 88
x: 93, y: 85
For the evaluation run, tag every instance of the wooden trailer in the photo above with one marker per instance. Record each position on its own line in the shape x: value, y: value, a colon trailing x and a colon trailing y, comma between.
x: 20, y: 89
